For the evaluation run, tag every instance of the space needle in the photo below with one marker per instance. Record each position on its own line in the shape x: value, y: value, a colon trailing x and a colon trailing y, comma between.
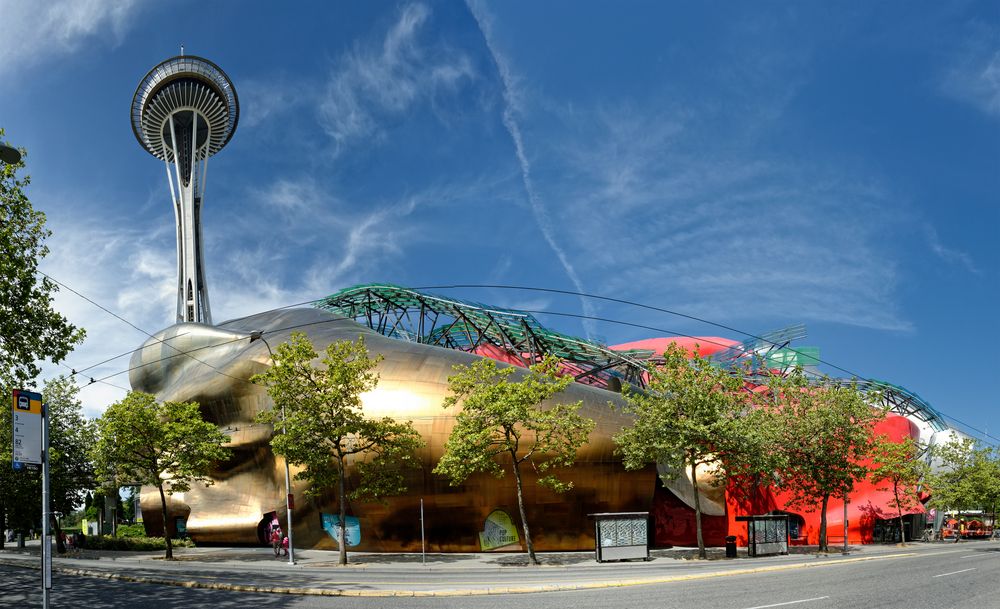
x: 184, y: 111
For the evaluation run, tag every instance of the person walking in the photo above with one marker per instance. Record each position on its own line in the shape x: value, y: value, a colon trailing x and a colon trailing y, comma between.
x: 276, y: 540
x: 284, y: 545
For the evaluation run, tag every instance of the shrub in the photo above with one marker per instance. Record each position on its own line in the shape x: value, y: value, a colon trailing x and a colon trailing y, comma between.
x: 131, y: 530
x: 133, y: 544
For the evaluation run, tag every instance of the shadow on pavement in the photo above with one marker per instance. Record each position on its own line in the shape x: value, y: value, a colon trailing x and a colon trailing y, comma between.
x: 21, y: 587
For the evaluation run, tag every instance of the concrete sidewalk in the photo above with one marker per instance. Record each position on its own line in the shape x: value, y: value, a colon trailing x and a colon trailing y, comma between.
x: 369, y: 574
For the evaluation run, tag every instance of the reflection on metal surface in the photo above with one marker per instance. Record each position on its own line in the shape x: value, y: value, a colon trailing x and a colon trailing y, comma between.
x: 211, y: 365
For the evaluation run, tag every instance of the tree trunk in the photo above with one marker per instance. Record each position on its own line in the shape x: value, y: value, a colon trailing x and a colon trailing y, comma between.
x: 342, y: 498
x: 899, y: 508
x: 520, y: 508
x: 166, y: 529
x: 697, y: 510
x: 823, y: 546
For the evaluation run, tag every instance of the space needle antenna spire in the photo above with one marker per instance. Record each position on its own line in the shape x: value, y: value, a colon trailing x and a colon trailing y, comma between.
x: 184, y: 111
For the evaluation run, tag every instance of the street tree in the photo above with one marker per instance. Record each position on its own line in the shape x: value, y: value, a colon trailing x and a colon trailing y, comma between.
x: 691, y: 417
x: 504, y: 426
x: 71, y: 471
x: 966, y: 476
x: 71, y: 437
x: 167, y: 445
x: 899, y: 467
x: 325, y: 430
x: 31, y: 330
x: 827, y: 436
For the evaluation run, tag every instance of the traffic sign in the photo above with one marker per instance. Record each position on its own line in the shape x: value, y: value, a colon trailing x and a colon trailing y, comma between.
x: 26, y: 409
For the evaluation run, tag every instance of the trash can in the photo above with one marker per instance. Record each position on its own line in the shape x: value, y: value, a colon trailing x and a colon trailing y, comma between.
x: 731, y: 546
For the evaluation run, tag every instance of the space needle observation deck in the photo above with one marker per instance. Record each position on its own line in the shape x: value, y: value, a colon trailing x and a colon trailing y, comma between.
x: 184, y: 111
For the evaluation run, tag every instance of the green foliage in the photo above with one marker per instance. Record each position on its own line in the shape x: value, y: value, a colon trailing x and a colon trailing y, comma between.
x: 163, y: 444
x: 967, y: 476
x: 131, y: 530
x: 30, y: 329
x: 827, y: 436
x: 133, y: 544
x: 71, y: 471
x: 689, y: 415
x: 325, y: 428
x: 502, y: 424
x: 899, y: 467
x: 71, y: 436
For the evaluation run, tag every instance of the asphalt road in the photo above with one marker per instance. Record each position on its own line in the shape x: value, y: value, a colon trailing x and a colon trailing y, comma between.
x: 962, y: 577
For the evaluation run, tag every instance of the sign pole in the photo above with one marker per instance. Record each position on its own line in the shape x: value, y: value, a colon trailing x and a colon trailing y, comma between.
x: 846, y: 528
x: 46, y: 540
x: 423, y: 541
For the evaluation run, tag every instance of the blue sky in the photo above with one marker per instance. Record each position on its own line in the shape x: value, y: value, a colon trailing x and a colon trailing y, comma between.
x: 836, y: 164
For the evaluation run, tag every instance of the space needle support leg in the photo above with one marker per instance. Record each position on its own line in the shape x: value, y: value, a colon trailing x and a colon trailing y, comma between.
x: 177, y: 226
x: 182, y: 227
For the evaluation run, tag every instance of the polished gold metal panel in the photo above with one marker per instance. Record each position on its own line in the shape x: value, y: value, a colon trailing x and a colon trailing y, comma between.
x: 413, y: 385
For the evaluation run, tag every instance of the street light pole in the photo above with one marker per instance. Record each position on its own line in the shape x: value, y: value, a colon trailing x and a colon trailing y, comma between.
x: 259, y: 335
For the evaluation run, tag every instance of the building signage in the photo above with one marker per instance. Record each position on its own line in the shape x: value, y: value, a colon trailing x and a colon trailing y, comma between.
x: 27, y: 429
x: 498, y: 531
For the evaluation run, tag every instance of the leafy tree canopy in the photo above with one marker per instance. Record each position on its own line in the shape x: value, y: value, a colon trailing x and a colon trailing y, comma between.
x: 320, y: 411
x: 827, y: 436
x: 503, y: 425
x: 691, y: 414
x: 167, y: 445
x: 30, y: 329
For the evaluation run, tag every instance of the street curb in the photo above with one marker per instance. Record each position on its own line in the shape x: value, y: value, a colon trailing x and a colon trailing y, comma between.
x: 456, y: 592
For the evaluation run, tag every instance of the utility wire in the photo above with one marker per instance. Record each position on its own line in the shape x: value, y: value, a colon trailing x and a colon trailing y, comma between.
x: 641, y: 306
x: 460, y: 286
x: 120, y: 318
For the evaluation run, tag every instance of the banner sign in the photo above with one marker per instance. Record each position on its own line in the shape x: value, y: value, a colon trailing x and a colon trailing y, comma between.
x: 498, y: 531
x: 27, y: 429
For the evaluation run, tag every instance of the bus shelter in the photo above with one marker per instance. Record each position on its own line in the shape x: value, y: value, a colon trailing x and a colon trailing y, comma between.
x: 766, y: 534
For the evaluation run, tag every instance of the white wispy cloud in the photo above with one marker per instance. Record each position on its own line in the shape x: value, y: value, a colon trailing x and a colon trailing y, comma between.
x: 512, y: 102
x: 666, y: 216
x: 372, y: 81
x: 32, y: 33
x: 973, y: 74
x: 948, y: 254
x: 129, y: 270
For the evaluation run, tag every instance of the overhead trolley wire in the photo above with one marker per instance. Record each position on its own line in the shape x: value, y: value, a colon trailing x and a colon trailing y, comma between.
x: 642, y: 306
x: 446, y: 287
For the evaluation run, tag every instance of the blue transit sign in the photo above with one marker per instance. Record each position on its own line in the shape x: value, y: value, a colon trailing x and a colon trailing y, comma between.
x: 26, y: 423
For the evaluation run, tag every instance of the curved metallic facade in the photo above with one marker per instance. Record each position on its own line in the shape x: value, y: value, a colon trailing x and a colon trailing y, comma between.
x: 413, y: 384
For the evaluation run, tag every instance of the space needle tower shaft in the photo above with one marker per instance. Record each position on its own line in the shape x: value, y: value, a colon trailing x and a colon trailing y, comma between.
x: 184, y: 111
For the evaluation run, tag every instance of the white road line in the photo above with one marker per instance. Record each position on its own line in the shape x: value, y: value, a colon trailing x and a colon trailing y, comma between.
x: 805, y: 600
x: 970, y: 556
x: 955, y: 572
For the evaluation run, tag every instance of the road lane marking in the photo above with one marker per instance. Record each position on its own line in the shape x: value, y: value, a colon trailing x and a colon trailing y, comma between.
x: 805, y: 600
x: 955, y: 572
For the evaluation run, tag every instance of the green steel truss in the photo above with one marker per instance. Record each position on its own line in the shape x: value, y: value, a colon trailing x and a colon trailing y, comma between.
x: 402, y: 313
x: 406, y: 314
x: 903, y: 401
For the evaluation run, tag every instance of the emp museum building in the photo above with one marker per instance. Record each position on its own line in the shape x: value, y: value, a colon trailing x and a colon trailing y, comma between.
x: 184, y: 111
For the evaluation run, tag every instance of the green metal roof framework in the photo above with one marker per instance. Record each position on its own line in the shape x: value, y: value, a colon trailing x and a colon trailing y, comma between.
x: 406, y: 314
x: 903, y: 401
x: 402, y: 313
